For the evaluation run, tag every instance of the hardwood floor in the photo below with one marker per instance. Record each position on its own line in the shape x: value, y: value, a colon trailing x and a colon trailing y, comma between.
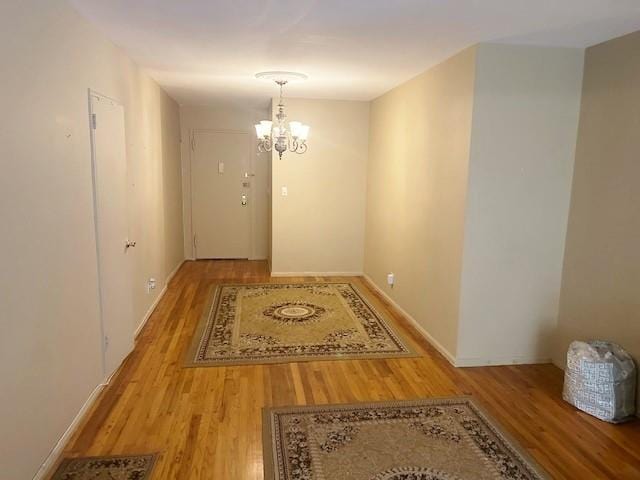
x: 205, y: 422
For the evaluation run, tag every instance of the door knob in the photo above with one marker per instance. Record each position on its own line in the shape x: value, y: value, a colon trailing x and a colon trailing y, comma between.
x: 130, y: 244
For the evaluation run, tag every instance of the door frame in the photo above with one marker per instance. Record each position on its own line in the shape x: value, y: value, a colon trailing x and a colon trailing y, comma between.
x: 251, y: 160
x: 94, y: 189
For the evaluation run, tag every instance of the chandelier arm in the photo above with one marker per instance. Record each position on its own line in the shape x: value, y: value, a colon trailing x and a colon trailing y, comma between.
x: 302, y: 147
x: 264, y: 146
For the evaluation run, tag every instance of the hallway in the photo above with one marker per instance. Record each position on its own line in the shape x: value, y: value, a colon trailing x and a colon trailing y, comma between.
x: 205, y: 423
x: 320, y: 240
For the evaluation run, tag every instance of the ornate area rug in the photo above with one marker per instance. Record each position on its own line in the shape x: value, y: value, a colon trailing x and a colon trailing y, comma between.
x: 136, y: 467
x: 274, y: 323
x: 435, y: 439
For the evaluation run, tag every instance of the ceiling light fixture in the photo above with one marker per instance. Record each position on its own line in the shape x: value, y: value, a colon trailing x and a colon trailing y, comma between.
x: 278, y: 137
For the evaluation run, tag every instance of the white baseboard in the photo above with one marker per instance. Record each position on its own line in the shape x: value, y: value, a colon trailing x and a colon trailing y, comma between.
x: 497, y: 361
x: 59, y: 447
x: 457, y: 361
x: 149, y: 312
x: 437, y: 345
x: 173, y: 273
x: 157, y: 300
x: 56, y: 452
x: 316, y: 274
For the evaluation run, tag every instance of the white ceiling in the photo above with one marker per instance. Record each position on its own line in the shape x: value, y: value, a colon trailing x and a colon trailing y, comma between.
x: 202, y: 51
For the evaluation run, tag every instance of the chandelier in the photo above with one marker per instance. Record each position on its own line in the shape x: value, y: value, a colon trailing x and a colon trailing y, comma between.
x: 278, y: 136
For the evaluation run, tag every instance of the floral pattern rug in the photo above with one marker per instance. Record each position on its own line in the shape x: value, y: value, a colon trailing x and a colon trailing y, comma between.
x: 433, y: 439
x: 276, y: 323
x: 136, y: 467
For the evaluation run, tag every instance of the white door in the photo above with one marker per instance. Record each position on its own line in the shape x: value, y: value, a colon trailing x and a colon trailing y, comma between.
x: 220, y: 187
x: 112, y: 229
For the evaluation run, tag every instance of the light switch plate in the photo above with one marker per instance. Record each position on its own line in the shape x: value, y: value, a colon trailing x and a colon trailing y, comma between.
x: 221, y: 167
x: 285, y: 191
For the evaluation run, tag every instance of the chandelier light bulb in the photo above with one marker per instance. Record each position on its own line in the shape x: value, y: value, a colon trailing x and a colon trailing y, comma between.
x: 294, y: 128
x: 266, y: 124
x: 303, y: 132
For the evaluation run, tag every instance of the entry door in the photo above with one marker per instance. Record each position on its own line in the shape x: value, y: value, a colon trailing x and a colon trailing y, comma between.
x: 220, y: 187
x: 114, y: 247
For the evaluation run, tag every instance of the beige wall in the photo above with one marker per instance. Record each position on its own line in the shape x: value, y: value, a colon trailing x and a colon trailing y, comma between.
x: 469, y: 180
x: 600, y: 297
x: 240, y: 117
x: 525, y: 120
x: 416, y: 189
x: 319, y: 226
x: 50, y: 346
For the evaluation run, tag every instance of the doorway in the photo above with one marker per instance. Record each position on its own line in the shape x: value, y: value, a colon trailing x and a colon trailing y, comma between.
x: 109, y: 167
x: 220, y: 190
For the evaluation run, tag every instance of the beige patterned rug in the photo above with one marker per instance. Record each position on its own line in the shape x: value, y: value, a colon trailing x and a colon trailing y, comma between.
x: 136, y: 467
x: 434, y: 439
x: 275, y: 323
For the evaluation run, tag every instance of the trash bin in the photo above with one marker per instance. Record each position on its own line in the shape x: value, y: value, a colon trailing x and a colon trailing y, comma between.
x: 600, y: 379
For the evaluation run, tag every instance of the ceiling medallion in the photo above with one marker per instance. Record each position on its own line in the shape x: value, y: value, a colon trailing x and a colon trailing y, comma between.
x: 279, y: 137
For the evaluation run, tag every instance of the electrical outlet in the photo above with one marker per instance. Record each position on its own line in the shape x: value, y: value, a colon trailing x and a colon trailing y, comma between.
x: 391, y: 279
x: 151, y: 285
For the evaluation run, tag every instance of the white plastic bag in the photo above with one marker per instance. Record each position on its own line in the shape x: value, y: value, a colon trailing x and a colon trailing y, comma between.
x: 600, y: 379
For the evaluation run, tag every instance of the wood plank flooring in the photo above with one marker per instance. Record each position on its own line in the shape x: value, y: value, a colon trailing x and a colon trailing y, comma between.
x: 205, y: 422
